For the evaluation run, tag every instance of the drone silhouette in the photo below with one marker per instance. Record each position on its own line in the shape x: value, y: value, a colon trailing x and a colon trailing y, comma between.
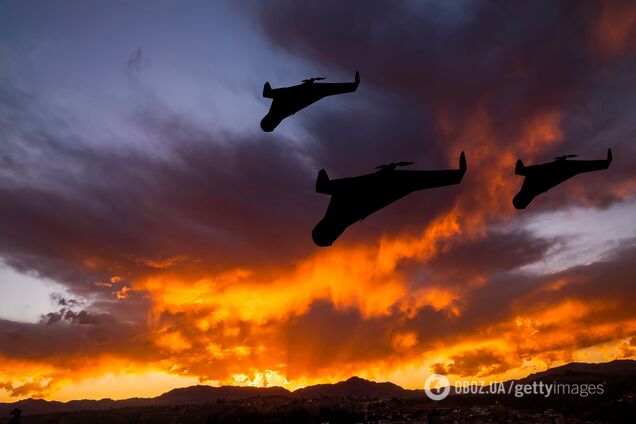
x: 355, y: 198
x: 289, y: 100
x: 541, y: 178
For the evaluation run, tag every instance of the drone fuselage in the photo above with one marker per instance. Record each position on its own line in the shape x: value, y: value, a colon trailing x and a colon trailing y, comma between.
x: 289, y: 100
x: 353, y: 199
x: 543, y: 177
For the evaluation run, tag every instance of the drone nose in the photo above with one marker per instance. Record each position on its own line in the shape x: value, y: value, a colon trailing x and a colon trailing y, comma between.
x: 320, y: 239
x: 325, y: 233
x: 266, y: 127
x: 268, y: 123
x: 520, y: 201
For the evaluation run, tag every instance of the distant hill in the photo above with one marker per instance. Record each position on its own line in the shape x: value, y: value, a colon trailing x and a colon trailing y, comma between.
x: 203, y: 394
x: 357, y: 387
x: 620, y: 375
x: 615, y: 404
x: 185, y: 396
x: 620, y: 367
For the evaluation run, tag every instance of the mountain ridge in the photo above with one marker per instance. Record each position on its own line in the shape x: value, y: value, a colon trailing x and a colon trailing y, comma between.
x: 352, y: 387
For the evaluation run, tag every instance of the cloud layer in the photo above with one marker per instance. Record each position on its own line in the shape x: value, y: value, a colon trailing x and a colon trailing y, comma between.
x: 186, y: 247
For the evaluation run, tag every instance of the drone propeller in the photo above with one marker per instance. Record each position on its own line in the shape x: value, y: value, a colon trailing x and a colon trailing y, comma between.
x: 313, y: 79
x: 564, y: 157
x: 391, y: 166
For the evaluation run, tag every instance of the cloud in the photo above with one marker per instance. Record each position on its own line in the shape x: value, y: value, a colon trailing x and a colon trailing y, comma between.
x: 615, y: 29
x: 479, y: 363
x: 479, y: 68
x: 187, y: 249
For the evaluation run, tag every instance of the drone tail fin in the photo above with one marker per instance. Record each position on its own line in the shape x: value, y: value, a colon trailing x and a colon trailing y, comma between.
x: 462, y: 162
x: 357, y: 78
x: 519, y: 168
x: 609, y: 156
x: 267, y: 91
x: 323, y: 184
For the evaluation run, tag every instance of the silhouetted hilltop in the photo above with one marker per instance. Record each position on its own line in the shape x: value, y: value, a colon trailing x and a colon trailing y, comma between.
x: 357, y: 387
x: 39, y: 406
x: 203, y: 394
x: 619, y: 367
x: 183, y: 396
x: 613, y: 404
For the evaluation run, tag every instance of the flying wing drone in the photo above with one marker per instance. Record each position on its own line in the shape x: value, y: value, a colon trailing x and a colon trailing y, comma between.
x: 289, y: 100
x: 355, y: 198
x: 541, y: 178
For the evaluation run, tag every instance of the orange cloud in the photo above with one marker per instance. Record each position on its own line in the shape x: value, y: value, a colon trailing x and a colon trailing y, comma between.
x: 616, y: 28
x: 235, y: 315
x: 352, y: 309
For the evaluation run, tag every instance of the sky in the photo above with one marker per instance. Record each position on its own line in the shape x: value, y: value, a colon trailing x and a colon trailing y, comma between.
x: 153, y: 237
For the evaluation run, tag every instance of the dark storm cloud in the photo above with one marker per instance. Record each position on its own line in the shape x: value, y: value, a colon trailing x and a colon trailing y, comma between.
x: 68, y: 343
x: 600, y: 291
x: 513, y: 292
x: 252, y: 198
x: 82, y: 317
x: 326, y: 337
x: 77, y: 337
x: 82, y: 214
x: 606, y: 281
x: 494, y: 253
x: 517, y: 60
x: 187, y: 204
x: 481, y: 363
x: 524, y: 56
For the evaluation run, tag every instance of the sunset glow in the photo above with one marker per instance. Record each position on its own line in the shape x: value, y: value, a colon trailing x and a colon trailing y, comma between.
x: 172, y: 237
